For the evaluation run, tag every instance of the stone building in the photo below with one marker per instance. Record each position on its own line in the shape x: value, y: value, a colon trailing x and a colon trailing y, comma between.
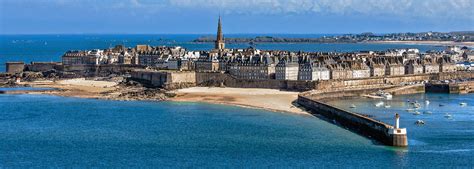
x: 219, y: 44
x: 394, y: 66
x: 359, y: 69
x: 377, y: 67
x: 430, y: 66
x: 413, y: 67
x: 313, y: 71
x: 73, y: 57
x: 446, y: 64
x: 286, y: 69
x: 340, y: 71
x: 15, y: 67
x: 257, y: 67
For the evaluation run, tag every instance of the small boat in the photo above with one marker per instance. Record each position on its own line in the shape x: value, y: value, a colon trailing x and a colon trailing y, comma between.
x: 448, y: 116
x: 441, y: 105
x: 427, y: 112
x: 416, y: 113
x: 409, y: 110
x: 352, y: 106
x: 384, y: 94
x: 387, y: 106
x: 420, y: 122
x: 463, y: 104
x: 379, y: 104
x: 416, y: 105
x: 427, y: 102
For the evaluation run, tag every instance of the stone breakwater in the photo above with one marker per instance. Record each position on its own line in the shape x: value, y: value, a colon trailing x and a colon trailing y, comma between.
x: 366, y: 126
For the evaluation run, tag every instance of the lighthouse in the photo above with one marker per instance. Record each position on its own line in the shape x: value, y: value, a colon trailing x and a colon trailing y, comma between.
x: 397, y: 121
x: 398, y: 135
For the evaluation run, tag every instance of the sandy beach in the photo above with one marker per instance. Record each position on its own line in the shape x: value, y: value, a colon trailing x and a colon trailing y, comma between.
x: 79, y: 87
x: 269, y: 99
x: 440, y: 43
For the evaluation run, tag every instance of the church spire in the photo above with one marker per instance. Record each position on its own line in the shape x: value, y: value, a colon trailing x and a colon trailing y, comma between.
x: 220, y: 38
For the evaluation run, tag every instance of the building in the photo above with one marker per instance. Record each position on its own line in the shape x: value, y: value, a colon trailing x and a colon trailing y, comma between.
x: 430, y: 66
x: 413, y: 67
x: 340, y: 71
x: 253, y: 67
x: 394, y: 66
x: 313, y: 71
x: 359, y: 69
x: 286, y: 69
x: 219, y: 44
x: 446, y: 64
x: 15, y: 67
x: 73, y: 57
x: 377, y: 67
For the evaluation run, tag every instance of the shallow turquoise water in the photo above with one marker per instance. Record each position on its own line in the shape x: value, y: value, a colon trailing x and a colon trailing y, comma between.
x: 52, y: 131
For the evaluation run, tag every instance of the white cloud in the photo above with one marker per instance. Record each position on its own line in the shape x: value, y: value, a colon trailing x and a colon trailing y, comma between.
x: 463, y: 9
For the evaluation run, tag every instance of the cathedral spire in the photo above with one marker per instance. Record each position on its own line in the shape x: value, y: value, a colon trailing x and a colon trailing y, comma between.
x: 220, y: 38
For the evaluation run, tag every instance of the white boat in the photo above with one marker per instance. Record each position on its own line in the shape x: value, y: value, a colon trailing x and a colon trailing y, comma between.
x: 416, y: 105
x: 448, y: 116
x: 379, y: 104
x: 416, y: 113
x: 352, y: 106
x: 384, y: 94
x: 463, y: 104
x: 420, y: 122
x: 387, y: 106
x: 409, y: 110
x: 427, y: 102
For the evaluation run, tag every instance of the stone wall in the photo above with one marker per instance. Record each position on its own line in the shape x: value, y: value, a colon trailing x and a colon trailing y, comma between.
x: 15, y: 67
x: 43, y: 66
x: 358, y: 123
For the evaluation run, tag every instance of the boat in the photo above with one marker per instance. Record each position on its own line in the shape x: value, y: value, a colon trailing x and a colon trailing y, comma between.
x: 416, y: 113
x: 387, y: 106
x: 441, y: 105
x: 463, y: 104
x: 409, y: 110
x: 384, y: 94
x: 379, y: 104
x: 427, y: 102
x: 416, y: 105
x: 352, y: 106
x: 420, y: 122
x: 448, y: 116
x: 427, y: 112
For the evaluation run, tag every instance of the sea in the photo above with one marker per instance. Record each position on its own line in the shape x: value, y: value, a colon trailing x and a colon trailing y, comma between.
x: 44, y: 131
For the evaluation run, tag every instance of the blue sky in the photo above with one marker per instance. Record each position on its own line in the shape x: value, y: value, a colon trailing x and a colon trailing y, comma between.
x: 239, y: 16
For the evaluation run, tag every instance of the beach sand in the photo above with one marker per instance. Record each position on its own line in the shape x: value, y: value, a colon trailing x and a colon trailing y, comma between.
x: 269, y: 99
x: 79, y: 87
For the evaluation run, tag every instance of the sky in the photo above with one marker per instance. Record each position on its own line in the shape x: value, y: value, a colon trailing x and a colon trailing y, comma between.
x: 238, y: 16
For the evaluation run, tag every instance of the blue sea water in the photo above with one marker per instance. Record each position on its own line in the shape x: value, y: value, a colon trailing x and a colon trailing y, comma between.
x: 28, y: 48
x: 51, y: 131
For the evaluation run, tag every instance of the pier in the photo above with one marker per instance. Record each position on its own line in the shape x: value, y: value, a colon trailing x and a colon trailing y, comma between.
x: 366, y: 126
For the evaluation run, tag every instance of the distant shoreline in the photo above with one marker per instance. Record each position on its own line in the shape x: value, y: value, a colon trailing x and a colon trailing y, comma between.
x: 440, y: 43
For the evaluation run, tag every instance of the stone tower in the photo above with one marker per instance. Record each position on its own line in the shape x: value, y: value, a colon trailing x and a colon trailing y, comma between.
x: 220, y: 44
